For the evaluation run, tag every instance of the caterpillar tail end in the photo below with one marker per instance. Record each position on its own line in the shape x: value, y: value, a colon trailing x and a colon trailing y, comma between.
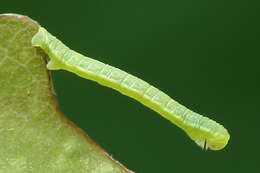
x: 53, y: 65
x: 39, y: 38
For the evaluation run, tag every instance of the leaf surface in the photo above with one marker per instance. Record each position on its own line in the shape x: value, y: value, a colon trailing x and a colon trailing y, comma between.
x: 34, y: 135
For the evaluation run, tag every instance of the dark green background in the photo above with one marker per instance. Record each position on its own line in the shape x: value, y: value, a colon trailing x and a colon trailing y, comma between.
x: 203, y: 53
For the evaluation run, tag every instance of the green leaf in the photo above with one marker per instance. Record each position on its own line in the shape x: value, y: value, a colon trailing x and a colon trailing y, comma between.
x: 34, y: 135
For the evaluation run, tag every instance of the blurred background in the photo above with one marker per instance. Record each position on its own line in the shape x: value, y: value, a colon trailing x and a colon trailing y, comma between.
x: 204, y: 54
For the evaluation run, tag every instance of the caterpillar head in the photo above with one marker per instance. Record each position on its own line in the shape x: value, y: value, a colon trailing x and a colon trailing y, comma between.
x: 212, y: 144
x: 210, y: 140
x: 218, y: 141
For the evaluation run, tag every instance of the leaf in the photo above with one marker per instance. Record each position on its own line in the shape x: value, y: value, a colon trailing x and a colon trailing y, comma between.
x: 34, y: 135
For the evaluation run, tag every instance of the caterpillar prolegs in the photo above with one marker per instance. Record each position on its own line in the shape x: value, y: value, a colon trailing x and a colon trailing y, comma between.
x: 204, y: 131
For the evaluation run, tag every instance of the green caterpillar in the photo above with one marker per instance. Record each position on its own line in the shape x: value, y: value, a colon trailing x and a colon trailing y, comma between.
x: 204, y: 131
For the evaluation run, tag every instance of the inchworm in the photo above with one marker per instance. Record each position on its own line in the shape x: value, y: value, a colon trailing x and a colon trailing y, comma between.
x: 204, y: 131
